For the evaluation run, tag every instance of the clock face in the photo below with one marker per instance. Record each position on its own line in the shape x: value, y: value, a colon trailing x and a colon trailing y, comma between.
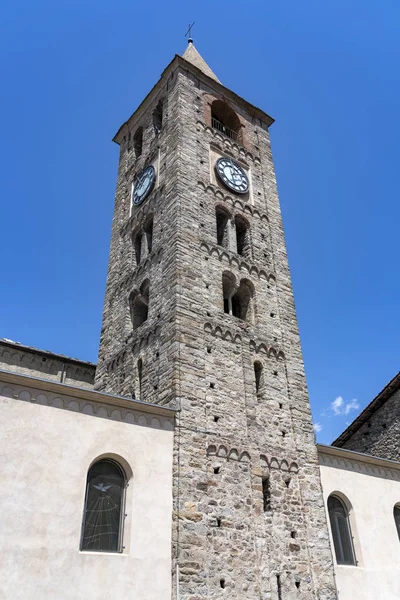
x: 143, y: 185
x: 232, y: 175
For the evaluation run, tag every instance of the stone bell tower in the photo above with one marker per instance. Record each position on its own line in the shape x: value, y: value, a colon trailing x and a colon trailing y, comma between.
x: 199, y: 315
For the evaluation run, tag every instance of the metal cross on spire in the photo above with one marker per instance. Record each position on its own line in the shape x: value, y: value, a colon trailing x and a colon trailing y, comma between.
x: 189, y: 32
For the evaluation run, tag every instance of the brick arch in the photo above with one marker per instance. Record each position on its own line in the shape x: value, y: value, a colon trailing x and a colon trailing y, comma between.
x: 221, y: 108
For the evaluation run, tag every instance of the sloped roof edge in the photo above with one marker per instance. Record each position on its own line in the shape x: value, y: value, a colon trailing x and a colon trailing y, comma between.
x: 366, y: 414
x: 178, y: 60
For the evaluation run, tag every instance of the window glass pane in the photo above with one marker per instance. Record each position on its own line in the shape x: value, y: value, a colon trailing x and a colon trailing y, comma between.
x: 102, y: 519
x: 341, y: 533
x: 397, y: 519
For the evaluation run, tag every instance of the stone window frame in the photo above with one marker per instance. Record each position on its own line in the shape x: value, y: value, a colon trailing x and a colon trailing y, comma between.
x: 229, y: 239
x: 234, y: 292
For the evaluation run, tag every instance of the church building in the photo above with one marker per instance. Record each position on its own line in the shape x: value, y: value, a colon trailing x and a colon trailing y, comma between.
x: 183, y: 466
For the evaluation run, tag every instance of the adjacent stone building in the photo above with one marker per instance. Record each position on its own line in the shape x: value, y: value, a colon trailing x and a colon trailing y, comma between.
x: 45, y: 365
x: 376, y: 430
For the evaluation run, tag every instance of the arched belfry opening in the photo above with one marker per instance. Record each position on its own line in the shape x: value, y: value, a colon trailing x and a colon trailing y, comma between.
x: 242, y: 301
x: 242, y: 237
x: 222, y: 220
x: 139, y: 305
x: 238, y: 298
x: 224, y: 119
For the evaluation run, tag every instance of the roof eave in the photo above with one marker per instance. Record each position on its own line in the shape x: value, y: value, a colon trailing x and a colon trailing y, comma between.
x: 84, y: 393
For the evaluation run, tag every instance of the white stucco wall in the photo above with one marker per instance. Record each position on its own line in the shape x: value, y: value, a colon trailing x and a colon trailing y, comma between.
x: 45, y: 453
x: 372, y: 489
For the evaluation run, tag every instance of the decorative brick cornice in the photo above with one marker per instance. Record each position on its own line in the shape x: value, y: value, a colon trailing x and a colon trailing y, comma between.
x: 134, y: 342
x: 260, y: 347
x: 89, y: 402
x: 276, y: 463
x: 236, y: 454
x: 223, y: 451
x: 340, y: 458
x: 235, y: 260
x: 223, y: 142
x: 233, y: 201
x: 141, y: 212
x: 229, y: 334
x: 141, y: 270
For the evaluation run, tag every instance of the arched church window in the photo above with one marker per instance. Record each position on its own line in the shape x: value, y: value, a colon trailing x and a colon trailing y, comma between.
x: 225, y: 120
x: 341, y: 532
x: 158, y: 118
x: 104, y: 503
x: 396, y: 514
x: 222, y: 218
x: 242, y: 237
x: 138, y: 142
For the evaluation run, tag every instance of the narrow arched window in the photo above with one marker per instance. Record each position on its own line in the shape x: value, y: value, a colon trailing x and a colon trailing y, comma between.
x: 225, y: 120
x: 148, y: 229
x: 138, y: 142
x: 341, y: 532
x: 258, y: 371
x: 242, y: 237
x: 242, y: 301
x: 396, y: 514
x: 228, y: 287
x: 138, y: 247
x: 104, y: 507
x: 140, y: 376
x: 222, y: 220
x: 158, y: 117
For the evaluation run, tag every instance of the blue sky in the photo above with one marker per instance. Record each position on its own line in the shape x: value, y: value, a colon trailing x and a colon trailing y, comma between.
x: 328, y: 72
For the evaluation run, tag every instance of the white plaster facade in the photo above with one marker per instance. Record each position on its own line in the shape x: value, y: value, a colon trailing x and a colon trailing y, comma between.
x: 50, y: 434
x: 370, y: 487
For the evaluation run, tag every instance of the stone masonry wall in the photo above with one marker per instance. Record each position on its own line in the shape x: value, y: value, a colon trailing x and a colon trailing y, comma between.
x: 45, y: 365
x: 231, y: 440
x: 380, y: 434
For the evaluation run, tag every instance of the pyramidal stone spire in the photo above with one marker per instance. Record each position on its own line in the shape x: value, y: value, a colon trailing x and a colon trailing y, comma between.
x: 192, y: 56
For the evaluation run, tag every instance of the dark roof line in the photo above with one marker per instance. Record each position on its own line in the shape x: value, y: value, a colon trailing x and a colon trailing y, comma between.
x: 47, y: 353
x: 366, y: 414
